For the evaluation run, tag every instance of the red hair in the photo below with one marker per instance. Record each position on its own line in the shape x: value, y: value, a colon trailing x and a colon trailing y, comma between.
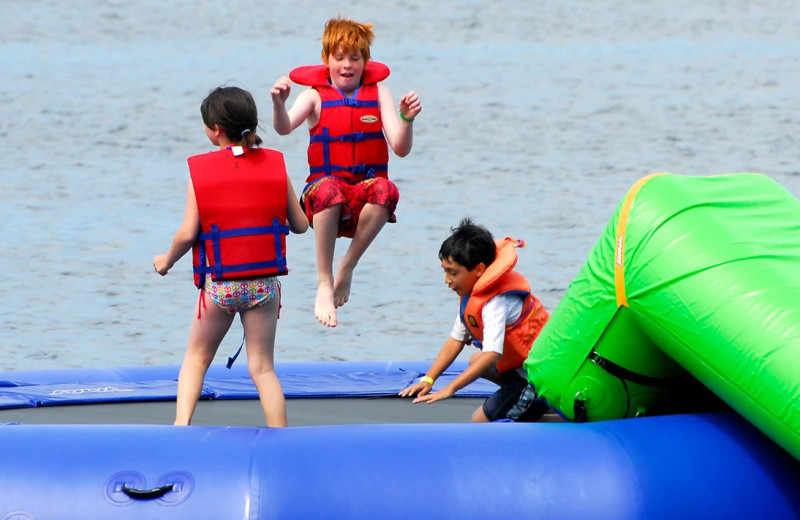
x: 347, y: 34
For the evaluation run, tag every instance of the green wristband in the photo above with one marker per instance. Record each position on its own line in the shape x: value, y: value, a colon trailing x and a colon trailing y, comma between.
x: 404, y: 118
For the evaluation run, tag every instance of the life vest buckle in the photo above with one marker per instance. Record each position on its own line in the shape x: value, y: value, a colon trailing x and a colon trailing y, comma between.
x: 362, y: 169
x: 354, y: 137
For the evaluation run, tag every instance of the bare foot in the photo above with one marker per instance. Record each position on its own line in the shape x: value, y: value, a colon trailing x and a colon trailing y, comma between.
x: 341, y: 289
x: 324, y: 309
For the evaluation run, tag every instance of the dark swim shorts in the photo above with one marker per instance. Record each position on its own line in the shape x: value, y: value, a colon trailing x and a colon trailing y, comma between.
x: 499, y: 405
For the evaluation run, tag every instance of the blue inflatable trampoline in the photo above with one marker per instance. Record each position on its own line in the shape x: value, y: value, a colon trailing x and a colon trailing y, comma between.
x: 358, y: 452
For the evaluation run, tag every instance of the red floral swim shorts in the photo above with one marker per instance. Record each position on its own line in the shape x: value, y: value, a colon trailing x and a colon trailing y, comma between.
x: 329, y: 191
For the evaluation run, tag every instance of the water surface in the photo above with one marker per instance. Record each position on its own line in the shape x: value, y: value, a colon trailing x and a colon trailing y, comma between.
x: 537, y: 118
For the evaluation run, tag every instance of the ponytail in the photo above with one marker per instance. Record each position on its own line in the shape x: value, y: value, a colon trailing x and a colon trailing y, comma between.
x: 250, y: 139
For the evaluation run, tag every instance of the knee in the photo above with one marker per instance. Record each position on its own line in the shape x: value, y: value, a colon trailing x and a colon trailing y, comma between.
x: 383, y: 192
x: 259, y: 368
x: 479, y: 416
x: 386, y: 185
x: 200, y: 358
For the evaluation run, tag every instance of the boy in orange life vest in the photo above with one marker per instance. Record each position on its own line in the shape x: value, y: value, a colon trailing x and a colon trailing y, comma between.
x: 497, y: 313
x: 350, y: 119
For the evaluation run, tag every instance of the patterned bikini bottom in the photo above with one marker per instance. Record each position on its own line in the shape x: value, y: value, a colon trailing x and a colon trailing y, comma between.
x: 240, y: 295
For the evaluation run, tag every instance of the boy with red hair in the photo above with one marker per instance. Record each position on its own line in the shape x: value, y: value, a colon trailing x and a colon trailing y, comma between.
x: 352, y: 121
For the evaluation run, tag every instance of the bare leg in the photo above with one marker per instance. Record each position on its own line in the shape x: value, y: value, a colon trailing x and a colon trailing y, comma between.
x: 260, y: 324
x: 479, y: 416
x: 372, y: 219
x: 205, y: 335
x: 326, y: 226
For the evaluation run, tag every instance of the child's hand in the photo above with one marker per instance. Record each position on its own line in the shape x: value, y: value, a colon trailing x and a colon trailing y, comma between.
x: 438, y: 395
x: 161, y: 265
x: 420, y: 388
x: 280, y: 90
x: 410, y: 105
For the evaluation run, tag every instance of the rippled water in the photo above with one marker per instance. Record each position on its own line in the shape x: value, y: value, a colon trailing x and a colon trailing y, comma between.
x: 537, y: 118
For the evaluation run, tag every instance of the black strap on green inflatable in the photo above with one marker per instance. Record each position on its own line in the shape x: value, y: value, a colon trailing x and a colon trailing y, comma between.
x: 623, y: 373
x: 579, y: 409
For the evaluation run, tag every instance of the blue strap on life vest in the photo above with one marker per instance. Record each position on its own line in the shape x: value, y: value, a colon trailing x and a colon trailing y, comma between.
x: 351, y: 101
x: 365, y: 170
x: 219, y: 269
x: 329, y: 169
x: 353, y: 137
x: 526, y: 309
x: 463, y: 307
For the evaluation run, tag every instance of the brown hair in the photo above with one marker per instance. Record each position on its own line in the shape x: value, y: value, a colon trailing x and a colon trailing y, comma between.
x: 234, y: 110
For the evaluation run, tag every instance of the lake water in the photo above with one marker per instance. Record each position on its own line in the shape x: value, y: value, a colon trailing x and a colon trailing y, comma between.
x: 537, y: 118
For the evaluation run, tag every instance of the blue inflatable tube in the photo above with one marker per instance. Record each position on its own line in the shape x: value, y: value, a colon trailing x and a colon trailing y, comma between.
x: 712, y: 465
x: 705, y: 466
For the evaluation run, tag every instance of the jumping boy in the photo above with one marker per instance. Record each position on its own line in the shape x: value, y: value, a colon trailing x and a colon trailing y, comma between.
x: 350, y: 119
x: 497, y: 313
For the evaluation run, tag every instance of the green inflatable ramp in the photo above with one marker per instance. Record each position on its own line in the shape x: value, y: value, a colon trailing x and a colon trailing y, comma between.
x: 697, y: 275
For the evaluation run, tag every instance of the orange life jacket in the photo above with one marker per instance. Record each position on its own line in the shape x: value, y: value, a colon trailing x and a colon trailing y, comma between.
x: 242, y: 201
x: 348, y: 140
x: 500, y: 278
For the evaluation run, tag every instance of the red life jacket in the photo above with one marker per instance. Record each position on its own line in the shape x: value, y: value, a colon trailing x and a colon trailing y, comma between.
x: 348, y: 140
x: 500, y: 278
x: 243, y: 205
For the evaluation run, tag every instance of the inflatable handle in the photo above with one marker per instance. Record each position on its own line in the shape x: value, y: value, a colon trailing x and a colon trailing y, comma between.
x: 145, y: 494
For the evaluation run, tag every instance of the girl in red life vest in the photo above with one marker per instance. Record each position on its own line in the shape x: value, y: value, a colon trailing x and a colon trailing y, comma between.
x: 350, y: 119
x: 240, y: 206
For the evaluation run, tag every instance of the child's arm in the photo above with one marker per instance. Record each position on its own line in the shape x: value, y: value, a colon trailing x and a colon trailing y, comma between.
x: 399, y: 132
x: 449, y: 352
x: 184, y: 237
x: 495, y: 317
x: 479, y: 365
x: 304, y: 106
x: 298, y: 223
